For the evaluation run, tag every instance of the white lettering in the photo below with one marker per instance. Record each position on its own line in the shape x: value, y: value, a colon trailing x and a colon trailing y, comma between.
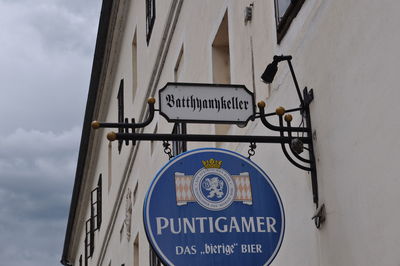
x: 270, y: 224
x: 248, y: 225
x: 251, y: 248
x: 210, y: 222
x: 179, y: 250
x: 161, y: 225
x: 201, y: 221
x: 234, y: 224
x: 186, y: 250
x: 218, y: 228
x: 193, y: 225
x: 260, y: 222
x: 173, y: 230
x: 186, y: 225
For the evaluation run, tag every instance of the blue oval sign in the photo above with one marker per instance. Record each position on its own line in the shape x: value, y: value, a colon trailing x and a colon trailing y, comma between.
x: 213, y: 207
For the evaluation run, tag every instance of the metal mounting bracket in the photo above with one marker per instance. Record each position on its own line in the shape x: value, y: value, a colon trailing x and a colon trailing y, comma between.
x: 293, y: 140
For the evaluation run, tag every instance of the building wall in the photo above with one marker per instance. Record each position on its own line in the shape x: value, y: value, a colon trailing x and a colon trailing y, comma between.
x: 345, y: 50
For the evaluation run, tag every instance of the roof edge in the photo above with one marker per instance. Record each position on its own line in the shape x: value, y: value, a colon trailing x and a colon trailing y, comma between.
x: 98, y: 61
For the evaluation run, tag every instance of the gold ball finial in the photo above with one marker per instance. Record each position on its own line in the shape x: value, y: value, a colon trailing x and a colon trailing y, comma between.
x: 95, y: 124
x: 151, y: 100
x: 261, y: 104
x: 280, y: 110
x: 288, y: 118
x: 111, y: 136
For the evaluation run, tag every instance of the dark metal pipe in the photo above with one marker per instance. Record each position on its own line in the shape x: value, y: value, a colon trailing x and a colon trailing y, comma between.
x: 280, y: 58
x: 126, y: 125
x: 295, y: 82
x: 287, y: 154
x: 314, y: 181
x: 205, y: 138
x: 291, y: 149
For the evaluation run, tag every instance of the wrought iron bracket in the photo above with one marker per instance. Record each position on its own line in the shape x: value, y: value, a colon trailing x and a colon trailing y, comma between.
x: 319, y: 216
x: 294, y: 140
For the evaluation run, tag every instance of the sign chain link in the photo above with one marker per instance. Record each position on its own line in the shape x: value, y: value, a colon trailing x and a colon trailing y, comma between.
x: 167, y: 149
x: 252, y: 150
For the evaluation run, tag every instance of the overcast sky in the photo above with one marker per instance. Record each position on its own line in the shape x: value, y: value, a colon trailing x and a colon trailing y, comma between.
x: 46, y: 55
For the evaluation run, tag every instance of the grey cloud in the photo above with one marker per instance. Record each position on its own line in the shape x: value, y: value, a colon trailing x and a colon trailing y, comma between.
x: 45, y: 58
x: 35, y: 188
x: 58, y: 24
x: 61, y: 30
x: 40, y: 143
x: 35, y: 244
x: 45, y: 61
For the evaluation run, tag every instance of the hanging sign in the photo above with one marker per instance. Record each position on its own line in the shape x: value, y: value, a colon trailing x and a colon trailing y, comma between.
x: 206, y: 103
x: 213, y: 207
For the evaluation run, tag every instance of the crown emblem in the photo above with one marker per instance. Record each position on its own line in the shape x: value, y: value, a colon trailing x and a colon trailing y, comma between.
x: 212, y: 163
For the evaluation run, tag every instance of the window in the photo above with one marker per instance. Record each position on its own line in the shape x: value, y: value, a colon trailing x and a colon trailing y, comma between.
x: 221, y: 55
x: 94, y: 222
x: 285, y: 12
x: 95, y: 201
x: 120, y: 98
x: 134, y: 66
x: 135, y: 194
x: 150, y: 18
x: 121, y: 232
x: 89, y: 240
x: 179, y: 146
x: 221, y: 64
x: 136, y: 251
x: 179, y: 66
x: 179, y: 128
x: 154, y: 260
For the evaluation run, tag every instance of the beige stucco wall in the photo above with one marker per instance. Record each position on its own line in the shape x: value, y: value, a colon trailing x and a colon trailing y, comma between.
x: 345, y: 50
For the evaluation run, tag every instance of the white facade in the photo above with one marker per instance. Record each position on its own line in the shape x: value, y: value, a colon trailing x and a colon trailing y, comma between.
x: 347, y: 51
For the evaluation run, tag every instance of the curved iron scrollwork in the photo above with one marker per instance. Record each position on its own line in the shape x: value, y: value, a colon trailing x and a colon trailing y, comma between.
x: 296, y: 144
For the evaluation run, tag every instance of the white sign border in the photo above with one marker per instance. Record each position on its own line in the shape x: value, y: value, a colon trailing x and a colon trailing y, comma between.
x: 200, y: 85
x: 146, y: 210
